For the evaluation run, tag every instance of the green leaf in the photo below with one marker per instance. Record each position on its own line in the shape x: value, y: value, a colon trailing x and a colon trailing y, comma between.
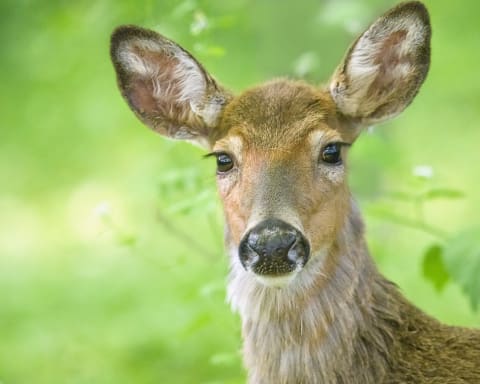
x: 401, y: 196
x: 209, y: 50
x: 127, y: 239
x: 201, y: 201
x: 386, y: 213
x: 200, y: 321
x: 462, y: 258
x: 434, y: 268
x: 212, y: 288
x: 443, y: 193
x: 184, y: 8
x: 224, y: 358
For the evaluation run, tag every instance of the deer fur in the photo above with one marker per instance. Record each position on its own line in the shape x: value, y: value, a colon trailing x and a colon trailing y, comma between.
x: 336, y: 319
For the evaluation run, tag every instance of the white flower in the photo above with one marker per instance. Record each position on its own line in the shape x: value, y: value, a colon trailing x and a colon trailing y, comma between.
x: 199, y: 24
x: 306, y: 63
x: 103, y: 209
x: 425, y: 171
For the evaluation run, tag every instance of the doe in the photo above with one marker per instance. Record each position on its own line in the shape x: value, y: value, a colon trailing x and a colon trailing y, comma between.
x: 314, y: 308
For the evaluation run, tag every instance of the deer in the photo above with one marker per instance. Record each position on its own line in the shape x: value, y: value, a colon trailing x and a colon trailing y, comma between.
x: 314, y: 307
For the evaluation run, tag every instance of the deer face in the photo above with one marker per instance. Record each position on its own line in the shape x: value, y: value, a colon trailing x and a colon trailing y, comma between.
x: 281, y: 148
x: 281, y: 176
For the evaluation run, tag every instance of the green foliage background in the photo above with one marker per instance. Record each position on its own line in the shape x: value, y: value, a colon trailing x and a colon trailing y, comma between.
x: 111, y: 261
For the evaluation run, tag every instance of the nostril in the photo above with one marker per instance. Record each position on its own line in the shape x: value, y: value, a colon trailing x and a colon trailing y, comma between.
x: 253, y: 243
x: 292, y: 253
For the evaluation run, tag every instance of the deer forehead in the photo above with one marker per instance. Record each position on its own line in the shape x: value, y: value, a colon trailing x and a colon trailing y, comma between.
x: 277, y: 117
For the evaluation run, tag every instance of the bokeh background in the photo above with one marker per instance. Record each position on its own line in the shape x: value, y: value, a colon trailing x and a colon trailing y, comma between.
x: 112, y: 267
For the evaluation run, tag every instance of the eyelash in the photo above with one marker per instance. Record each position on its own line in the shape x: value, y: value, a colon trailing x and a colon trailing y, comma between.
x: 331, y: 153
x: 223, y: 166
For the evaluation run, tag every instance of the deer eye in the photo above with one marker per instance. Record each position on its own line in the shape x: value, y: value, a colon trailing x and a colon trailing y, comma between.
x: 224, y: 162
x: 331, y: 153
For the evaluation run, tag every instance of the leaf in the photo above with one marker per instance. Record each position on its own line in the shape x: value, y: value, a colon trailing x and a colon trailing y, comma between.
x: 184, y: 8
x: 434, y: 268
x: 462, y: 259
x: 213, y: 288
x: 127, y: 239
x: 386, y: 213
x: 209, y: 50
x: 401, y: 196
x: 201, y: 201
x: 443, y: 193
x: 200, y: 321
x: 224, y: 358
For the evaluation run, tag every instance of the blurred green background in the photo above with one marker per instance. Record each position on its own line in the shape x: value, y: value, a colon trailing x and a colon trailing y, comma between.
x: 111, y: 261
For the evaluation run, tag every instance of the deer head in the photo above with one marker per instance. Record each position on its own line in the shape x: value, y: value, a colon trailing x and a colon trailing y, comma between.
x: 281, y: 147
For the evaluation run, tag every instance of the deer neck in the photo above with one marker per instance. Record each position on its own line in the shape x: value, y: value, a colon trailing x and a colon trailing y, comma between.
x: 332, y: 324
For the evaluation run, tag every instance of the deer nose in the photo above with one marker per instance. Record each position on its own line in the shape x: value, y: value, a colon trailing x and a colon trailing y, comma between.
x: 273, y: 247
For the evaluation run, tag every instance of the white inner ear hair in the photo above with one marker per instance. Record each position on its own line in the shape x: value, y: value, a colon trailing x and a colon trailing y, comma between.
x: 174, y: 74
x: 364, y: 64
x: 362, y: 60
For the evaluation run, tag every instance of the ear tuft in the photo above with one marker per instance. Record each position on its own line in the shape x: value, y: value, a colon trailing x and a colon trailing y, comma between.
x: 385, y: 67
x: 165, y: 86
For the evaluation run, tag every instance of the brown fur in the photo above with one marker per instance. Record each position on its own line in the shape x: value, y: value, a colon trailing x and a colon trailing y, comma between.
x: 337, y: 320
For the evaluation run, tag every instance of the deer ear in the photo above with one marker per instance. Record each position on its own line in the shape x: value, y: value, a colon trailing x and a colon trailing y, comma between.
x: 165, y: 86
x: 385, y: 67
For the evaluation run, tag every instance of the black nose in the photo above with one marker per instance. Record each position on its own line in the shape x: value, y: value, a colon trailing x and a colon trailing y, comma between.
x: 273, y: 247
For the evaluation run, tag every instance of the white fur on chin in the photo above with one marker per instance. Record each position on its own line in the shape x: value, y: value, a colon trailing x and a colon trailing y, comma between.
x: 276, y: 281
